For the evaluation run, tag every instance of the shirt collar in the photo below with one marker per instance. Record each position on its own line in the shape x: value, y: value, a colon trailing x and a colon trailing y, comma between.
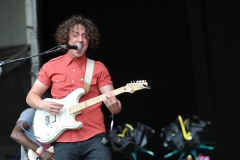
x: 81, y: 60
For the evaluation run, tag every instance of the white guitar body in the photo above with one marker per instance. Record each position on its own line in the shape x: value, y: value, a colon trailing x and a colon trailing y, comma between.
x: 48, y: 127
x: 33, y: 155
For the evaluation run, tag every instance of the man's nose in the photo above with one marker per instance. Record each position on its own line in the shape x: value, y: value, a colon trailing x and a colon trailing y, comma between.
x: 80, y: 38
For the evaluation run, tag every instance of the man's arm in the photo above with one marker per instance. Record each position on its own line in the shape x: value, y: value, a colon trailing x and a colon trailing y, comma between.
x: 111, y: 101
x: 34, y: 99
x: 19, y: 136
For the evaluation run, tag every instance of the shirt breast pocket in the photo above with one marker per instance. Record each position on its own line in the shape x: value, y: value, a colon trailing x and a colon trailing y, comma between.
x: 58, y: 85
x: 58, y: 79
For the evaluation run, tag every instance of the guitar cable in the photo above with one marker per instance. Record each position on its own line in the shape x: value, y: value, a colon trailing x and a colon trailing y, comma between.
x: 31, y: 122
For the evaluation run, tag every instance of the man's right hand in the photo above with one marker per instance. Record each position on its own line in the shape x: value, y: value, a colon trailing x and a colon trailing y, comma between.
x: 51, y: 107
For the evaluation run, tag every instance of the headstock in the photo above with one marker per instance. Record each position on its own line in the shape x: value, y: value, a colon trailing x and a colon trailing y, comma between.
x: 136, y: 85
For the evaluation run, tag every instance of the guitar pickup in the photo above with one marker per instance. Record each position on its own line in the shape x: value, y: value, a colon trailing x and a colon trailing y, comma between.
x: 47, y: 120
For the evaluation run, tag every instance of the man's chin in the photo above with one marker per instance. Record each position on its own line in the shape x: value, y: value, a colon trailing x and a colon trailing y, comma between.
x: 79, y: 55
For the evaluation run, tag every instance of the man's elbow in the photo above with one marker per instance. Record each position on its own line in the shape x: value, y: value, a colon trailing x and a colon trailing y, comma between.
x: 13, y: 136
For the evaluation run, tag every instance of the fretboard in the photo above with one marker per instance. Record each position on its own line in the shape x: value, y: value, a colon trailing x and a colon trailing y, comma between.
x: 80, y: 106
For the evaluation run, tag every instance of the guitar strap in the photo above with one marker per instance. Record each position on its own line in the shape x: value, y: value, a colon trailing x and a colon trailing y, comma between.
x: 88, y: 79
x: 88, y: 74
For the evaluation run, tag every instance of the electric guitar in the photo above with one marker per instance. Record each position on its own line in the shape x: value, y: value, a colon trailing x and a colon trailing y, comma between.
x: 48, y: 127
x: 33, y: 155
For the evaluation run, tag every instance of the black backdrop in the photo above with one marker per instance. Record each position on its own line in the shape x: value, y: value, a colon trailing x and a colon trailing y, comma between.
x: 186, y: 50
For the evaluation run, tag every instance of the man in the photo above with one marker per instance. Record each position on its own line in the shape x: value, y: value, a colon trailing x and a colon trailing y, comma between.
x: 27, y: 139
x: 66, y: 73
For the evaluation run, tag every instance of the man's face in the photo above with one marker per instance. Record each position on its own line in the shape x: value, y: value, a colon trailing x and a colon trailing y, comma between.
x: 77, y: 36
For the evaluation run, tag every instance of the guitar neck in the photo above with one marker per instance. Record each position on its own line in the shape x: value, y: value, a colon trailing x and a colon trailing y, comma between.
x: 80, y: 106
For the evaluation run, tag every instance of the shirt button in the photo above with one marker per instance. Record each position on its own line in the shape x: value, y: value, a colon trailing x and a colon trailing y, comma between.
x: 73, y: 70
x: 72, y: 80
x: 57, y: 80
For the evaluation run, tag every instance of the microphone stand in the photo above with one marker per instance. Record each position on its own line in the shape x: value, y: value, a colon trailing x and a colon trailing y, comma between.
x: 54, y: 49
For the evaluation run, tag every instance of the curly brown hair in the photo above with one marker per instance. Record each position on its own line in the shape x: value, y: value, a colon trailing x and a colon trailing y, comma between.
x: 63, y: 31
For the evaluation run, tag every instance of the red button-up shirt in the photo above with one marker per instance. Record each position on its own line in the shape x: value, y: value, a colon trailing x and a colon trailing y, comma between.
x: 65, y: 74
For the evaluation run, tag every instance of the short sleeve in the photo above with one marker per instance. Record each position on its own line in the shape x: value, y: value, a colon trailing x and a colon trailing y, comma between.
x: 43, y: 77
x: 103, y: 76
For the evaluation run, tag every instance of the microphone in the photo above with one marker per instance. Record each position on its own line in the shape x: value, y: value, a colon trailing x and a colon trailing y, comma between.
x: 75, y: 47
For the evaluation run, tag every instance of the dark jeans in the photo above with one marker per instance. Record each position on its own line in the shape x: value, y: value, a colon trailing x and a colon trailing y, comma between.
x: 91, y: 149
